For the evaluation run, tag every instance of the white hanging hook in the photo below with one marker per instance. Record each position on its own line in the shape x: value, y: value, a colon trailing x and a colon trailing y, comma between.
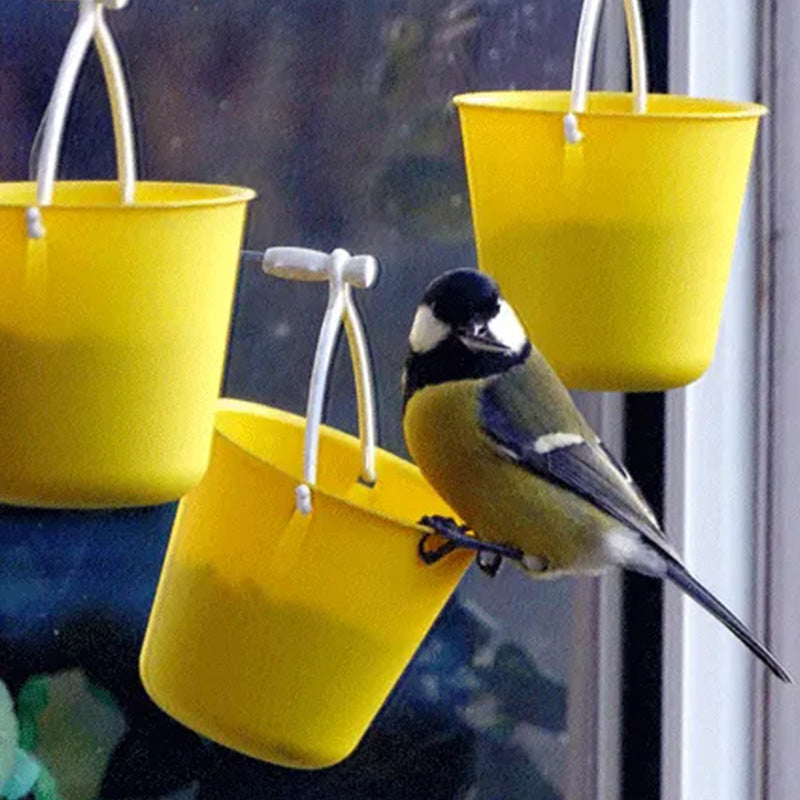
x: 342, y: 271
x: 91, y: 25
x: 582, y: 65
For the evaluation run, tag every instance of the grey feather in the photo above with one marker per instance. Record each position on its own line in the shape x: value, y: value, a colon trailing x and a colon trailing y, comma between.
x: 680, y: 576
x: 587, y: 469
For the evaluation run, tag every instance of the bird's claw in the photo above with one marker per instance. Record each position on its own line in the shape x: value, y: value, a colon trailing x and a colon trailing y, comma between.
x: 488, y: 555
x: 488, y: 563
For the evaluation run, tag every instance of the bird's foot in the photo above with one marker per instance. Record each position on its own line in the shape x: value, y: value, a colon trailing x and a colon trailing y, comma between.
x: 488, y: 555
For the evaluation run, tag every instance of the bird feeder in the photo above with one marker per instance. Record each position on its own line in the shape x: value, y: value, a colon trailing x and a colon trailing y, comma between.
x: 292, y: 595
x: 115, y: 302
x: 609, y: 219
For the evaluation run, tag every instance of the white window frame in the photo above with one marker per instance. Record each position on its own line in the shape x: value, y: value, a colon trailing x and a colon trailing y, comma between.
x: 778, y: 719
x: 711, y: 700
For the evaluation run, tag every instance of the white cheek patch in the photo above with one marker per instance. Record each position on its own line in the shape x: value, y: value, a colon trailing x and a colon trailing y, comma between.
x: 427, y: 331
x: 507, y: 329
x: 556, y: 441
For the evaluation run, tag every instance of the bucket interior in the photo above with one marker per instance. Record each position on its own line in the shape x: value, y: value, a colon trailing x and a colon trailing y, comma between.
x: 106, y: 194
x: 612, y: 104
x: 275, y: 438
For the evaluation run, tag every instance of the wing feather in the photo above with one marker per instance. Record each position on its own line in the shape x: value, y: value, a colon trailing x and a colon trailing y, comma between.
x: 585, y: 468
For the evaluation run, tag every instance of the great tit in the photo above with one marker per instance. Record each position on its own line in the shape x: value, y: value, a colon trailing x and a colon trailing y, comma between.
x: 497, y: 435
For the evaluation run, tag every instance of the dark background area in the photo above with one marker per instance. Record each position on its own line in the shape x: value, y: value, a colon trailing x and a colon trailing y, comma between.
x: 338, y: 114
x: 643, y: 597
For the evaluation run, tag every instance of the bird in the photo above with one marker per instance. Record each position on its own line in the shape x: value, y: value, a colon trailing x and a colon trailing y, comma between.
x: 495, y: 432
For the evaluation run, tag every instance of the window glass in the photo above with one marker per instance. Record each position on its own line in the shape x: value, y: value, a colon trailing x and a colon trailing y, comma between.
x: 338, y: 114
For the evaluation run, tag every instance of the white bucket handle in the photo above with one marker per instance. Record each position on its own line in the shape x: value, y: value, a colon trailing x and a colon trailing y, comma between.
x: 91, y: 25
x: 582, y: 65
x: 342, y: 271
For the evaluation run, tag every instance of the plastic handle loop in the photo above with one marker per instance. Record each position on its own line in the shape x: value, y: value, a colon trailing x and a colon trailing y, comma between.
x: 342, y: 271
x: 582, y: 65
x: 91, y: 25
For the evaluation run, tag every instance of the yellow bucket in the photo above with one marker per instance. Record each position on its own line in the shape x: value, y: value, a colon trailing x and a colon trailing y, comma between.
x: 281, y: 635
x: 614, y: 244
x: 113, y: 331
x: 278, y: 629
x: 115, y: 302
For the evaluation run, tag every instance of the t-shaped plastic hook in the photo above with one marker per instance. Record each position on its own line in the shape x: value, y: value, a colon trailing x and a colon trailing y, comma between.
x: 302, y: 264
x: 342, y: 271
x: 111, y: 5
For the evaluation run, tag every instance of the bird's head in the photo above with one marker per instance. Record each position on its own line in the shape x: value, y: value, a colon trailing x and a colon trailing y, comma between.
x: 463, y: 328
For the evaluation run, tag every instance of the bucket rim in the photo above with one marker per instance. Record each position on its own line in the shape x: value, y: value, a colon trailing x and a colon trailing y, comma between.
x: 221, y: 195
x: 251, y: 408
x: 718, y: 110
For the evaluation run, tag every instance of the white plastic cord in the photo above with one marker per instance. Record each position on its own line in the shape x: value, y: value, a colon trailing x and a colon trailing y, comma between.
x: 302, y: 499
x: 120, y: 108
x: 365, y: 392
x: 319, y: 373
x: 342, y: 271
x: 34, y: 223
x: 636, y: 45
x: 582, y: 64
x: 584, y: 50
x: 62, y: 95
x: 90, y: 25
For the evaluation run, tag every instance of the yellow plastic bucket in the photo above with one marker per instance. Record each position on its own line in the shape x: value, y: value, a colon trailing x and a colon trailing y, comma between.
x: 288, y: 608
x: 615, y: 244
x: 113, y: 331
x: 115, y: 303
x: 277, y: 634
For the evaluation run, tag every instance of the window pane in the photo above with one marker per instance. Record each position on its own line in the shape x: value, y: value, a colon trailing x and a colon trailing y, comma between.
x: 338, y: 114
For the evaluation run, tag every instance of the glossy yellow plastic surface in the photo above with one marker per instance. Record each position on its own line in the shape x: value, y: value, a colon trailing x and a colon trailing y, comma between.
x: 113, y: 330
x: 616, y: 250
x: 281, y: 635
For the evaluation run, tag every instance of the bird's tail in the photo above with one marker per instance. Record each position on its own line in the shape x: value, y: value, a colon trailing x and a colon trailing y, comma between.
x: 679, y: 575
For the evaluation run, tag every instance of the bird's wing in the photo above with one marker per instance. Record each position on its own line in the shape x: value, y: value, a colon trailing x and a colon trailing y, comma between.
x: 553, y: 441
x: 559, y: 446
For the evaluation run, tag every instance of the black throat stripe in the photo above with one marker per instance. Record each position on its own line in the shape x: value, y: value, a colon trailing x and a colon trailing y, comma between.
x: 454, y: 361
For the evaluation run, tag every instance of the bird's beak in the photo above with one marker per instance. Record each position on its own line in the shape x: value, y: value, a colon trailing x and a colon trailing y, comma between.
x: 479, y: 338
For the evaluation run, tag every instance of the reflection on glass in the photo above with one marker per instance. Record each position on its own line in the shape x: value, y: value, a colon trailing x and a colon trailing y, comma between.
x: 338, y: 114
